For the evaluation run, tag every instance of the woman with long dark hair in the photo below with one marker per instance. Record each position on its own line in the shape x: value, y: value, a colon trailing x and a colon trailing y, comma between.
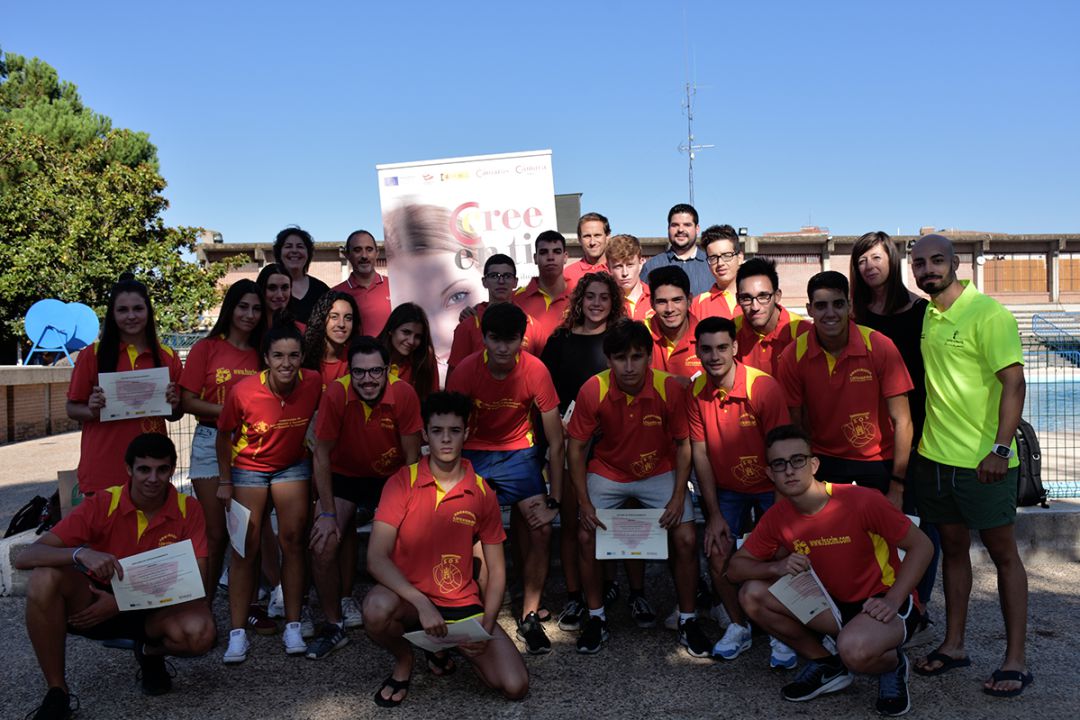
x: 880, y: 300
x: 262, y: 457
x: 573, y: 354
x: 128, y: 342
x: 293, y: 252
x: 215, y: 364
x: 407, y: 337
x: 276, y: 287
x: 335, y: 323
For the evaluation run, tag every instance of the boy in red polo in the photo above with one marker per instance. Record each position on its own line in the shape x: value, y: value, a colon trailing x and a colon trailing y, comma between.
x: 547, y: 297
x: 848, y: 385
x: 505, y: 386
x: 672, y: 325
x: 730, y: 407
x: 500, y: 279
x: 368, y: 426
x: 765, y: 327
x: 368, y: 287
x: 429, y: 518
x: 72, y: 565
x: 642, y: 453
x: 724, y: 254
x: 850, y: 537
x: 625, y: 263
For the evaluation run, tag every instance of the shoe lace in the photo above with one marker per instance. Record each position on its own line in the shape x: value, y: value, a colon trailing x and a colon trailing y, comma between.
x: 733, y: 634
x: 809, y: 672
x: 640, y: 606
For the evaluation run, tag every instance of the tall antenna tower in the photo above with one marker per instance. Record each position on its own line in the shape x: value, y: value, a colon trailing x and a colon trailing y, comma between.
x: 690, y: 147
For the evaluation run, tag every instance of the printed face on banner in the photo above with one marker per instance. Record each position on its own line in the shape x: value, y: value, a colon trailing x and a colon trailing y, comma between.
x: 442, y: 219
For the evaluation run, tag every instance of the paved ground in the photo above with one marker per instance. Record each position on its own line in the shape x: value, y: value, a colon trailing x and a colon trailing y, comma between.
x: 640, y: 673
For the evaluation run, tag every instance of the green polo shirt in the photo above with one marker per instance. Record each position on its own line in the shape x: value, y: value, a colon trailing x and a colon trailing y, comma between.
x: 963, y: 349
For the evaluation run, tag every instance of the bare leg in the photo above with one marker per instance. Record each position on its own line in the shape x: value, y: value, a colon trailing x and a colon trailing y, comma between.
x: 769, y: 613
x: 501, y: 668
x: 292, y: 502
x: 537, y: 554
x: 956, y: 579
x: 270, y: 554
x: 591, y: 572
x: 870, y: 646
x: 725, y: 589
x: 1013, y: 596
x: 242, y: 569
x: 326, y: 567
x: 217, y: 537
x: 385, y: 618
x: 185, y: 630
x: 684, y: 544
x: 568, y: 536
x: 52, y: 595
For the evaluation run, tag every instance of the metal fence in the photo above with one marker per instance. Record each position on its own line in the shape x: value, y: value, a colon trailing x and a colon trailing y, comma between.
x: 1052, y: 371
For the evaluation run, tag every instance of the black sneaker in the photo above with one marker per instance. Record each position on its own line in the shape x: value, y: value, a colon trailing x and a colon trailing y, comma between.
x: 330, y: 638
x: 55, y: 706
x: 817, y: 678
x: 611, y: 594
x: 892, y: 690
x: 593, y: 636
x: 693, y: 639
x: 572, y: 615
x: 642, y: 612
x: 153, y: 673
x: 532, y: 632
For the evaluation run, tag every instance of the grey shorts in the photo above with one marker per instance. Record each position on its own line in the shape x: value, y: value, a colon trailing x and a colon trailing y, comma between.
x: 203, y: 453
x: 651, y: 492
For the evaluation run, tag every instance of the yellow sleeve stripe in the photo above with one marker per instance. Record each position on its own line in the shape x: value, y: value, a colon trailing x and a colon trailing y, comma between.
x: 181, y: 502
x: 752, y: 374
x: 865, y: 332
x: 700, y: 382
x: 659, y: 381
x: 114, y: 501
x: 414, y: 472
x: 604, y: 378
x: 802, y: 344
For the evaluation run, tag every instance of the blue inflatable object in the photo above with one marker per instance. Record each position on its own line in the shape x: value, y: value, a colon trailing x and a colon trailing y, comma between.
x: 53, y: 325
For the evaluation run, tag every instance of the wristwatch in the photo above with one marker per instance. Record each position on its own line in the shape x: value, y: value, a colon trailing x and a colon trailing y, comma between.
x: 553, y: 504
x: 1003, y: 451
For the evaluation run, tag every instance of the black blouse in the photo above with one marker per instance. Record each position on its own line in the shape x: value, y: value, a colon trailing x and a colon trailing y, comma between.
x: 572, y: 359
x: 905, y: 330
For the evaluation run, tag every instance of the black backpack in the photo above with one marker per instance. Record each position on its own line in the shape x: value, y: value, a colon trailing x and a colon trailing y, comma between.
x: 1029, y: 489
x: 29, y: 516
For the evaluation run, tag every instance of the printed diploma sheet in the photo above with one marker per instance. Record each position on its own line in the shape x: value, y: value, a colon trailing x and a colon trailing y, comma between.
x: 167, y: 575
x: 136, y: 393
x: 634, y: 534
x: 804, y: 596
x: 461, y: 632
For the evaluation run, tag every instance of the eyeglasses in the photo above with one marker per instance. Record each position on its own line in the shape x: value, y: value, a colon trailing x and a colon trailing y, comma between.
x: 748, y: 300
x: 375, y: 372
x: 795, y: 461
x: 500, y: 277
x: 722, y: 257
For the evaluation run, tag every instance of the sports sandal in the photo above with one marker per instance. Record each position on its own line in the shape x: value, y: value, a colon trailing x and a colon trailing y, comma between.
x: 947, y: 663
x: 396, y: 686
x: 999, y: 675
x: 440, y: 664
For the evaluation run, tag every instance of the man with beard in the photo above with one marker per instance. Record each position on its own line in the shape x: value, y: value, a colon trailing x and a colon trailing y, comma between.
x: 682, y: 250
x: 368, y: 426
x: 967, y: 470
x: 369, y: 288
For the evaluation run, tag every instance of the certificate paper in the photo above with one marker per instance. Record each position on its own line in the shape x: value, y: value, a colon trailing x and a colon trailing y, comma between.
x: 461, y: 632
x: 236, y: 518
x: 804, y: 596
x: 634, y: 534
x: 138, y: 393
x: 156, y: 578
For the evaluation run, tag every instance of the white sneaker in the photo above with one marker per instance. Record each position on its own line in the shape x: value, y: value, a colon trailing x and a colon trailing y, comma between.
x: 736, y: 640
x: 829, y: 644
x: 238, y: 647
x: 276, y: 607
x: 293, y: 639
x: 350, y: 613
x: 671, y: 622
x: 307, y: 624
x: 782, y: 657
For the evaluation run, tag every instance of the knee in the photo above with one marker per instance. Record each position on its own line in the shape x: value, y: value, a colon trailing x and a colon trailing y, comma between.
x: 856, y: 652
x: 584, y: 538
x: 516, y: 687
x: 752, y: 597
x: 194, y: 634
x: 541, y: 534
x: 44, y: 584
x: 290, y: 539
x: 216, y: 536
x: 685, y: 540
x: 379, y: 608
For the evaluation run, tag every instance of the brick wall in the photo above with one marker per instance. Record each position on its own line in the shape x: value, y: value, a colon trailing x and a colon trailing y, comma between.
x: 32, y: 402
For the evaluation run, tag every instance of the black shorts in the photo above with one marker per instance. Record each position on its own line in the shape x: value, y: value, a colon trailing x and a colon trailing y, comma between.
x: 364, y: 492
x: 908, y: 612
x: 876, y: 474
x: 130, y: 625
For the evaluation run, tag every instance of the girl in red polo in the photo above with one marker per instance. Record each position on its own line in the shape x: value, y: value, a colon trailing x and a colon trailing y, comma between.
x: 214, y: 366
x: 128, y: 342
x: 407, y: 336
x: 335, y: 323
x: 261, y: 456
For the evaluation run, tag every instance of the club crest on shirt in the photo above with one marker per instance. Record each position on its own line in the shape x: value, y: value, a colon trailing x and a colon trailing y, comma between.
x: 260, y: 427
x: 747, y: 419
x: 153, y: 425
x: 644, y: 464
x: 801, y: 547
x: 652, y: 421
x: 748, y: 471
x: 859, y: 430
x: 464, y: 517
x: 860, y: 375
x: 222, y: 376
x: 447, y: 574
x: 386, y: 423
x: 386, y: 462
x: 167, y: 539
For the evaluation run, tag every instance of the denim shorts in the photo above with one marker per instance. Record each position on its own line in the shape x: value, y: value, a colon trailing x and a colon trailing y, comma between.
x: 296, y: 472
x: 733, y: 506
x: 514, y: 474
x: 203, y: 453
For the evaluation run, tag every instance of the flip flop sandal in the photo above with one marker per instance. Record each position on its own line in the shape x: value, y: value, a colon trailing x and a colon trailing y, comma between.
x: 445, y: 664
x: 396, y: 686
x: 947, y: 663
x: 999, y: 675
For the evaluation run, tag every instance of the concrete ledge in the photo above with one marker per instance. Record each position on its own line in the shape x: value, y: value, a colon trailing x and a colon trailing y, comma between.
x: 12, y: 581
x: 35, y: 374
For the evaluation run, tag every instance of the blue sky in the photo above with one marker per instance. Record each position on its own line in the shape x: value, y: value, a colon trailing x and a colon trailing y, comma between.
x: 857, y: 115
